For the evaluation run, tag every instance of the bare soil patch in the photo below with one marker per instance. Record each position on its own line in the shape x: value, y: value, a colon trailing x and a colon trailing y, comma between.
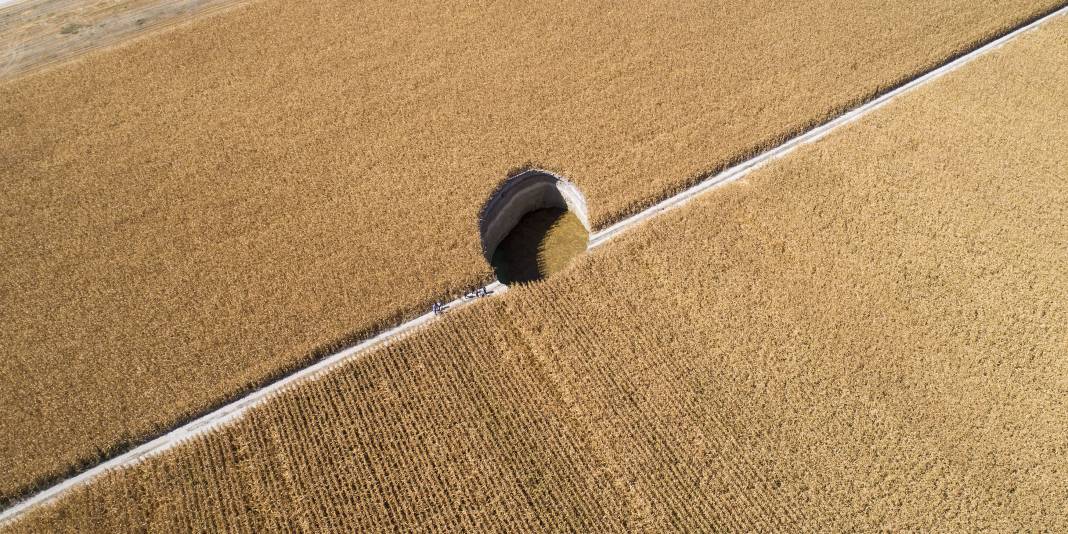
x: 35, y: 34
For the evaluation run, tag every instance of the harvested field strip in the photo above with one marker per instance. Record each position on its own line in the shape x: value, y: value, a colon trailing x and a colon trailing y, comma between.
x: 871, y: 334
x: 164, y: 202
x: 35, y: 34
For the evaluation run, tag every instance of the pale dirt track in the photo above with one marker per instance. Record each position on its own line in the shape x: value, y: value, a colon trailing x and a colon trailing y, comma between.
x: 196, y: 213
x: 873, y: 336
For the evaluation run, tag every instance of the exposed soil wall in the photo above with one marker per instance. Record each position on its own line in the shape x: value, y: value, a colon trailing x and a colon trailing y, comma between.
x: 521, y: 194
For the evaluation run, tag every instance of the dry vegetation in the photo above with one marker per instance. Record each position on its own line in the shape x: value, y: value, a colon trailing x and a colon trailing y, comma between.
x: 871, y: 334
x: 191, y: 214
x: 38, y: 33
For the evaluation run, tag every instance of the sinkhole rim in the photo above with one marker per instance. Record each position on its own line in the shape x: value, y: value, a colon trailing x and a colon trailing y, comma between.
x: 522, y: 193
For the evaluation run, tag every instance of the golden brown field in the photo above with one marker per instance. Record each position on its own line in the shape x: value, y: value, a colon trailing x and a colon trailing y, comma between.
x: 192, y: 214
x: 871, y: 334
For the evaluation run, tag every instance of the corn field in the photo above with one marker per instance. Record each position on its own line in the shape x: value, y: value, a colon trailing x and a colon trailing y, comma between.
x: 871, y: 334
x: 195, y: 213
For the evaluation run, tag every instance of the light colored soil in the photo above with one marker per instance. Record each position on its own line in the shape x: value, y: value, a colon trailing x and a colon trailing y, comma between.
x: 871, y: 334
x: 35, y: 34
x: 193, y: 213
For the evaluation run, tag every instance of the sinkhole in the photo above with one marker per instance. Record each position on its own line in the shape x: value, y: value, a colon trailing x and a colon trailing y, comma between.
x: 533, y: 226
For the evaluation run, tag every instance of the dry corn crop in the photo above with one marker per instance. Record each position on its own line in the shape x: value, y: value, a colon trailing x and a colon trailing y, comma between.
x: 871, y: 334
